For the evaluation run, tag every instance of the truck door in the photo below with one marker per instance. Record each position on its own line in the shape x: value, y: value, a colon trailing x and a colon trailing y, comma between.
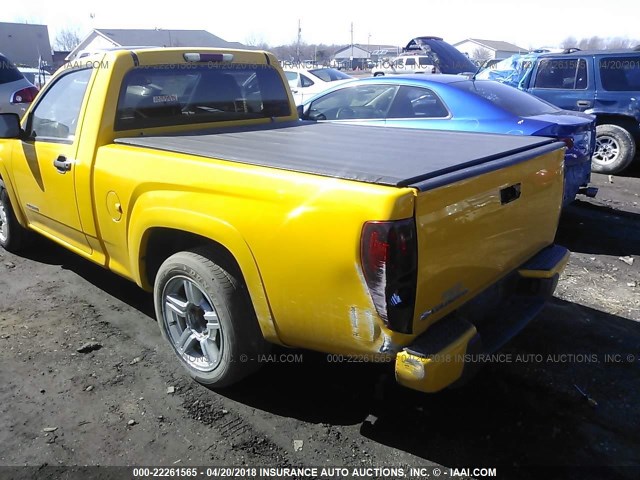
x: 43, y: 164
x: 567, y: 83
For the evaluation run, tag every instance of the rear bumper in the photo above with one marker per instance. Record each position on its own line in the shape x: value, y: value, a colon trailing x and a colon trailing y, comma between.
x: 443, y: 355
x: 576, y: 177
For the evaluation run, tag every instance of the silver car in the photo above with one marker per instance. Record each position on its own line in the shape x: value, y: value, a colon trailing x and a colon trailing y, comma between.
x: 16, y: 92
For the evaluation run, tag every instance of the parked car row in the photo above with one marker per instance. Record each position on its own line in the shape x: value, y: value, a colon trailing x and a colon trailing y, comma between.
x: 305, y: 83
x: 589, y: 100
x: 454, y: 102
x: 604, y: 83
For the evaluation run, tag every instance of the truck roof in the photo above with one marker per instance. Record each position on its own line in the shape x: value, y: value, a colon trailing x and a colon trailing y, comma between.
x: 385, y: 156
x: 582, y: 53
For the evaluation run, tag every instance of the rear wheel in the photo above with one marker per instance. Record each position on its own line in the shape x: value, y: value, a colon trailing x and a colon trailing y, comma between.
x: 615, y: 149
x: 205, y: 314
x: 378, y: 74
x: 13, y: 237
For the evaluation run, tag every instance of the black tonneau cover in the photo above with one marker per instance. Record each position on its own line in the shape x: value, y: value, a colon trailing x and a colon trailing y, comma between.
x: 385, y: 156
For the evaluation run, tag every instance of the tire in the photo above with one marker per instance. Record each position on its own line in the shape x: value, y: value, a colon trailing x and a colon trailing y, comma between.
x: 13, y: 236
x: 615, y: 149
x: 206, y: 315
x: 378, y: 74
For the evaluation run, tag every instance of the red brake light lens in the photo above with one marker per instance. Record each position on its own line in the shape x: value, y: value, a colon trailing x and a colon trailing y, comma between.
x: 568, y: 141
x: 26, y: 95
x: 208, y: 57
x: 389, y: 260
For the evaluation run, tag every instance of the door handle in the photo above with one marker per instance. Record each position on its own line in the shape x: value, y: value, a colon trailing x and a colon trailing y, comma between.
x: 62, y: 164
x: 583, y: 103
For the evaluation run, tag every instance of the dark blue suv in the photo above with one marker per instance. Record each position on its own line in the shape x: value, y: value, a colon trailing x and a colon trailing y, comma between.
x: 603, y: 83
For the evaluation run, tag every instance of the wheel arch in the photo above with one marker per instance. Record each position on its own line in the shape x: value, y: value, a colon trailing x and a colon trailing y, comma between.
x: 164, y: 232
x: 627, y: 122
x: 13, y: 197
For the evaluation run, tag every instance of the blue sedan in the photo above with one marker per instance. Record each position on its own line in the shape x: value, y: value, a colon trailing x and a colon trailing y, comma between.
x: 454, y: 102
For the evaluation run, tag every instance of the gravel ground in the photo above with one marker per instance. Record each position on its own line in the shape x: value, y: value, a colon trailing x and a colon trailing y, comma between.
x: 124, y: 400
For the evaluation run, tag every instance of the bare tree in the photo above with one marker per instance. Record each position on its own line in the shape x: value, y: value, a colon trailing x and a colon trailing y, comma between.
x: 619, y: 42
x: 320, y: 52
x: 66, y: 40
x: 598, y: 43
x: 256, y: 42
x: 569, y: 42
x: 481, y: 54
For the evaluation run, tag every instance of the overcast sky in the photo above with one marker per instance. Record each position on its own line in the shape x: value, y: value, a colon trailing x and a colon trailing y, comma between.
x: 524, y: 23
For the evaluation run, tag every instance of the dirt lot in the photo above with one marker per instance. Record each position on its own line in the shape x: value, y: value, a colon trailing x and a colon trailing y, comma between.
x: 128, y: 402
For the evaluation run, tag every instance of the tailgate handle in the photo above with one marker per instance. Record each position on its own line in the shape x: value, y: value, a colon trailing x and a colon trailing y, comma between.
x: 509, y: 194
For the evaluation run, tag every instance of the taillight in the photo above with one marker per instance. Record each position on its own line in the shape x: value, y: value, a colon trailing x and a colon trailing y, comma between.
x: 568, y: 141
x: 208, y: 57
x: 26, y: 95
x: 389, y: 256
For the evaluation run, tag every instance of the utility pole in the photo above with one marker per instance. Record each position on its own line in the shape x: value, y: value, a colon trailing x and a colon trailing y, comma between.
x: 298, y: 44
x: 351, y: 46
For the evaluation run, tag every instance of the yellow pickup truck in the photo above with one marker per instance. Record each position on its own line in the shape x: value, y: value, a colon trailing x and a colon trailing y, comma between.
x: 188, y: 172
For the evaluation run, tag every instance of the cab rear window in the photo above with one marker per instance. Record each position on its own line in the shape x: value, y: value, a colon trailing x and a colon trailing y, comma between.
x: 183, y: 94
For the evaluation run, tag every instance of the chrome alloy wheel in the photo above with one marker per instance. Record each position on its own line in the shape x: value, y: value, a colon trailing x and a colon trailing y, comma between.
x: 607, y: 149
x: 4, y: 224
x: 192, y: 324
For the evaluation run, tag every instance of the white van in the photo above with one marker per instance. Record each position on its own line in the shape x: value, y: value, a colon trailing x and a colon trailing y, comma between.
x: 405, y: 64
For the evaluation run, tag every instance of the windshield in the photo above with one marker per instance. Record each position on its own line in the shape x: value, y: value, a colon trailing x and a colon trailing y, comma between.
x: 513, y: 70
x: 508, y: 98
x: 329, y: 74
x: 167, y: 95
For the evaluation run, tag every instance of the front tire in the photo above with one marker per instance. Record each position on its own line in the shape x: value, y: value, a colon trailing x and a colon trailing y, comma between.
x: 13, y: 236
x: 205, y: 314
x: 615, y: 149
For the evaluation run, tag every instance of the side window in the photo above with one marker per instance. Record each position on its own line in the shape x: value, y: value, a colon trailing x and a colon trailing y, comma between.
x: 581, y: 77
x: 410, y: 62
x: 417, y: 102
x: 305, y: 81
x: 566, y: 74
x: 620, y: 74
x: 292, y: 78
x: 56, y: 115
x: 361, y: 102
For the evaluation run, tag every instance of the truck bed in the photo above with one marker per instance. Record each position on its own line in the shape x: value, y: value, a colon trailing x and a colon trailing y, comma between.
x: 386, y: 156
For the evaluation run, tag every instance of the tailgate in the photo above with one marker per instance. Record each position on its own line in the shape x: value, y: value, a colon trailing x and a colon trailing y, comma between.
x: 476, y: 226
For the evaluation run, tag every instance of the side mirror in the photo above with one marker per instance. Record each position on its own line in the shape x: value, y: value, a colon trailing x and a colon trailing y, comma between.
x: 9, y: 125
